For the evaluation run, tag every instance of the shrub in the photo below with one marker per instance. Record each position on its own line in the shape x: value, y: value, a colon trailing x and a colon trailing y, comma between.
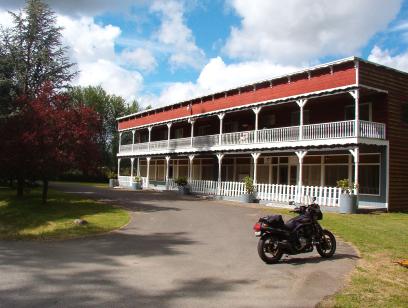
x: 181, y: 181
x: 137, y: 179
x: 249, y: 185
x: 346, y: 186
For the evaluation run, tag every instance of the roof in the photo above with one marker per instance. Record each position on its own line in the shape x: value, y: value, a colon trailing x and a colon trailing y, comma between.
x: 309, y: 69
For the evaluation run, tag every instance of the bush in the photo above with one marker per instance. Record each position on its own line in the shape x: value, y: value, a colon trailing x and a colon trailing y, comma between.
x: 249, y: 185
x: 346, y: 186
x: 137, y: 179
x: 181, y: 181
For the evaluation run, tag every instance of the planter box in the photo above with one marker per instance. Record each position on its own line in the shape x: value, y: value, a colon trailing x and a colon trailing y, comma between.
x: 136, y: 185
x: 184, y: 190
x: 247, y: 198
x: 113, y: 183
x: 348, y: 204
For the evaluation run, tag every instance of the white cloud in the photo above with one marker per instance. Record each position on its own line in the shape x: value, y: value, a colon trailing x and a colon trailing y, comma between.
x: 139, y: 58
x: 113, y: 78
x: 6, y: 20
x: 87, y: 40
x: 384, y: 57
x: 293, y: 31
x: 174, y: 34
x: 218, y: 76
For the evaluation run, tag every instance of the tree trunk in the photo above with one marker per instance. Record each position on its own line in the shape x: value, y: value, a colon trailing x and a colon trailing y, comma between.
x: 20, y: 187
x: 45, y: 191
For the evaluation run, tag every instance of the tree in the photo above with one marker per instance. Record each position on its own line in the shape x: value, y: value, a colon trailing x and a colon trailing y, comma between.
x: 35, y: 49
x: 109, y: 107
x: 32, y: 55
x: 50, y: 136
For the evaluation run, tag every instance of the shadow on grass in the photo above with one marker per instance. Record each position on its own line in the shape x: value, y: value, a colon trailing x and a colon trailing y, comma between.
x: 27, y: 217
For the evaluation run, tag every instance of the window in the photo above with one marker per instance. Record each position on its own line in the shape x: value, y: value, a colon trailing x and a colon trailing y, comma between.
x: 178, y: 132
x: 333, y: 173
x: 369, y: 174
x: 365, y: 112
x: 295, y: 117
x: 404, y: 113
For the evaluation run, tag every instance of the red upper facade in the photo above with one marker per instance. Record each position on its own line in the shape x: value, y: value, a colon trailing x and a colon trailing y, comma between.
x: 319, y: 79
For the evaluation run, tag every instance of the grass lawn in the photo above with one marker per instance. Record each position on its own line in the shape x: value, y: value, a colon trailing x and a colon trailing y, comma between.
x: 28, y: 218
x: 93, y: 184
x: 382, y: 239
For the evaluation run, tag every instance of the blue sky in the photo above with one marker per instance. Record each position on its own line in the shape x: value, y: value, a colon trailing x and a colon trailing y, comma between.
x: 161, y: 52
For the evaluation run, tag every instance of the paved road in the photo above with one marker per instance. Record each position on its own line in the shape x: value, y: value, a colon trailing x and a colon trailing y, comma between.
x: 176, y: 252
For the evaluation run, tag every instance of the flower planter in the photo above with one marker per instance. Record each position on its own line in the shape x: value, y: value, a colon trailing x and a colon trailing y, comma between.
x: 247, y: 198
x: 136, y: 185
x: 184, y: 190
x: 113, y: 183
x: 348, y: 203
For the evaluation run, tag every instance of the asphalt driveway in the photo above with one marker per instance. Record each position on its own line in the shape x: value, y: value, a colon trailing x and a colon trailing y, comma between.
x: 176, y: 252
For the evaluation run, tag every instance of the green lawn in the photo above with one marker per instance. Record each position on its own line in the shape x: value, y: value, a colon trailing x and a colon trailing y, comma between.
x: 28, y: 218
x: 382, y: 239
x: 93, y: 184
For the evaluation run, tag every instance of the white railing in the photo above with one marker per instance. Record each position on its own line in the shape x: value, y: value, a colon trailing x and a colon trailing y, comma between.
x: 125, y: 181
x: 278, y: 134
x: 204, y: 187
x: 372, y: 130
x: 144, y: 182
x: 126, y: 148
x: 327, y: 196
x: 332, y: 130
x: 180, y: 143
x: 206, y: 141
x: 232, y: 189
x: 246, y: 137
x: 158, y: 145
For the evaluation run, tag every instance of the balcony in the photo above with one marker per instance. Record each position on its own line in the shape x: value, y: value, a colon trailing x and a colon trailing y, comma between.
x: 263, y: 137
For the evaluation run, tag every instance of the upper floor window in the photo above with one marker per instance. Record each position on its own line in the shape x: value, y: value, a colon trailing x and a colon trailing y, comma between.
x: 295, y: 117
x: 404, y: 113
x: 365, y: 112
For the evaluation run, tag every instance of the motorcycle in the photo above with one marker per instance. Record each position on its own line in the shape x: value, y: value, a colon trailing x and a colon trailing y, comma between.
x: 298, y: 235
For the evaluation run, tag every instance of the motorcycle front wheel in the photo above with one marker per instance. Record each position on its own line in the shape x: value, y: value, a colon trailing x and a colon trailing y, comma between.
x: 269, y: 250
x: 327, y: 246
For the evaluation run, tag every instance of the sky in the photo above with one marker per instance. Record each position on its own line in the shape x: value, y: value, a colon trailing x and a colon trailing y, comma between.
x: 164, y: 51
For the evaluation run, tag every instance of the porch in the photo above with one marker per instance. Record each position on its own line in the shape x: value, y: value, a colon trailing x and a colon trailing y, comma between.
x: 278, y: 176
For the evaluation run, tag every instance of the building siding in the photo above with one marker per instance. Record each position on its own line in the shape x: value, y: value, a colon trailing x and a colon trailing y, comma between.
x: 397, y: 132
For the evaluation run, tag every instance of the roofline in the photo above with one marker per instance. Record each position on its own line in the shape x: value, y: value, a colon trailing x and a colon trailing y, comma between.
x: 312, y: 68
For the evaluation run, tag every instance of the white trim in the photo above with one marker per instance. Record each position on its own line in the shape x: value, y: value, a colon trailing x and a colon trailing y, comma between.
x: 286, y: 99
x: 387, y: 176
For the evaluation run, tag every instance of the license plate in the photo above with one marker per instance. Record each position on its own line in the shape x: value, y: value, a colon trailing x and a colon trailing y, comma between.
x: 258, y: 233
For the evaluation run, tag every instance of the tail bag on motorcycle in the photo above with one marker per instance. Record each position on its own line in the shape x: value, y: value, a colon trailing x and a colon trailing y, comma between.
x: 272, y: 220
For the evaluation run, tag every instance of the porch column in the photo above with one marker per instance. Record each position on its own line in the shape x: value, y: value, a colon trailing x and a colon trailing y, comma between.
x: 192, y: 132
x: 133, y: 139
x: 131, y: 168
x: 256, y: 110
x: 301, y: 103
x: 221, y: 117
x: 150, y: 136
x: 168, y: 134
x: 300, y: 155
x: 190, y: 167
x: 356, y: 155
x: 148, y: 171
x: 255, y: 157
x: 120, y: 140
x: 167, y: 171
x: 118, y: 167
x: 219, y: 156
x: 356, y: 95
x: 138, y: 167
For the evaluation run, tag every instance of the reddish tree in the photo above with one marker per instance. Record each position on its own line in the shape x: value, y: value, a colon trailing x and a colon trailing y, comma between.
x: 49, y: 136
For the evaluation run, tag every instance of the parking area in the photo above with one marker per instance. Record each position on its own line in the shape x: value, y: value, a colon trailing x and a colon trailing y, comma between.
x: 176, y: 252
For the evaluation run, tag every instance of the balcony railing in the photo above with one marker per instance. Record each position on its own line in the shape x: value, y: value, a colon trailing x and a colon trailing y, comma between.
x: 333, y: 130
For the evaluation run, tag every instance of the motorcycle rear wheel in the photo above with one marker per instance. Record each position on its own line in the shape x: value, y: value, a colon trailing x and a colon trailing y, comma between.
x: 327, y: 246
x: 269, y: 250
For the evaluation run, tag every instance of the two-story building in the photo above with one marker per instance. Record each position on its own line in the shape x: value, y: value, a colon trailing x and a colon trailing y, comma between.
x: 296, y: 135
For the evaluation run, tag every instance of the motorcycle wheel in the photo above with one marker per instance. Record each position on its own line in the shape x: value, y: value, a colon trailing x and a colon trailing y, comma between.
x: 327, y: 246
x: 269, y: 250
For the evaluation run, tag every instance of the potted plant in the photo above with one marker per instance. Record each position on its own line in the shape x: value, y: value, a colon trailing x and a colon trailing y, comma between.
x: 137, y: 183
x: 182, y: 184
x: 249, y: 196
x: 113, y: 181
x: 348, y: 200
